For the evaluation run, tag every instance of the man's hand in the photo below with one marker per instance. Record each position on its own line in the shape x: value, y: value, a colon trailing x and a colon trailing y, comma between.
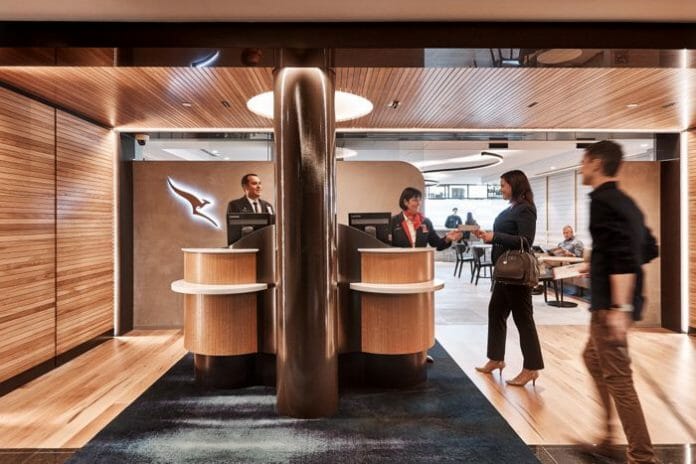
x: 618, y: 323
x: 454, y: 235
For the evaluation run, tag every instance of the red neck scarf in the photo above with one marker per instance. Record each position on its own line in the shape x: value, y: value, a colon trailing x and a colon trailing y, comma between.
x: 417, y: 220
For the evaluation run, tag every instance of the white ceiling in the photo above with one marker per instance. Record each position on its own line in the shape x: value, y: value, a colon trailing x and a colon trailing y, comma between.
x: 533, y: 157
x: 355, y: 10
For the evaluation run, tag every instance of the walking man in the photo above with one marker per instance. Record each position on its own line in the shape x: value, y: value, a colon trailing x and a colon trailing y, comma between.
x: 620, y: 246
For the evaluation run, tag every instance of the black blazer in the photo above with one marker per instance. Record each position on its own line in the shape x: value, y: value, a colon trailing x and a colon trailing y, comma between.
x: 519, y: 220
x: 242, y: 205
x: 425, y: 234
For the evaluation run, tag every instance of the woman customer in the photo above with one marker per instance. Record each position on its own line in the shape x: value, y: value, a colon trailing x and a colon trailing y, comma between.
x: 410, y: 229
x: 516, y: 222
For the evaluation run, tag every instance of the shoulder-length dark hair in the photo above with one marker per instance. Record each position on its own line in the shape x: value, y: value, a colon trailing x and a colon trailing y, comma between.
x: 521, y: 190
x: 407, y: 194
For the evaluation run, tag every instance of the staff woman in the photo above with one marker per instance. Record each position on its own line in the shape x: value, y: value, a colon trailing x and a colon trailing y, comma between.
x: 513, y: 223
x: 410, y: 229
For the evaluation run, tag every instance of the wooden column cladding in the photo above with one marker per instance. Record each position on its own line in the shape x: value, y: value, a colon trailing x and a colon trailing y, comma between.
x: 27, y: 234
x: 85, y: 156
x: 692, y: 227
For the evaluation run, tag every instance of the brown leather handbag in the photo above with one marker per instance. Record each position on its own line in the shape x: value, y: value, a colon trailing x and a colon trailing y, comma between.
x: 517, y: 267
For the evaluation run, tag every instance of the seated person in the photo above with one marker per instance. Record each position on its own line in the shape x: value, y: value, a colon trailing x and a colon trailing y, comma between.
x: 570, y: 246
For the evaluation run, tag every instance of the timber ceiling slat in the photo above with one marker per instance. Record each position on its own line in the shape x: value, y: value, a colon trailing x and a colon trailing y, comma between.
x: 469, y: 98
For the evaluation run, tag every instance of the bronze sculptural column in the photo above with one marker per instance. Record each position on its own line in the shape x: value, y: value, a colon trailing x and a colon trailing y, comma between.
x: 304, y: 119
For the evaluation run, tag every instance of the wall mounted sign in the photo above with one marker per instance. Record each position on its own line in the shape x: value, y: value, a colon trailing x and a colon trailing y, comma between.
x: 190, y: 197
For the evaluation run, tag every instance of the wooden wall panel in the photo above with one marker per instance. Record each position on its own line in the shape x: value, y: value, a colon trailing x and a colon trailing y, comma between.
x: 85, y: 156
x: 692, y: 227
x: 27, y: 234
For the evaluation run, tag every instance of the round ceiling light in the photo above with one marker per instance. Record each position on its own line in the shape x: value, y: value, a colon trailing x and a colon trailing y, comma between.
x: 347, y: 105
x: 485, y: 160
x: 559, y: 55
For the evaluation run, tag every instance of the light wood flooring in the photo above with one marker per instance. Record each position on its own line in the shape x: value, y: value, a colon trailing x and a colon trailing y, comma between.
x: 68, y: 406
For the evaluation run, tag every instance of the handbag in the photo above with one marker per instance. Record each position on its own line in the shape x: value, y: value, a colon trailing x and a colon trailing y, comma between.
x: 517, y: 267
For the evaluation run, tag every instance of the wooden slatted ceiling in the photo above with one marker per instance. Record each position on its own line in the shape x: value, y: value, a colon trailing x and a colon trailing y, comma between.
x: 27, y: 234
x: 475, y: 98
x: 85, y: 231
x: 692, y: 228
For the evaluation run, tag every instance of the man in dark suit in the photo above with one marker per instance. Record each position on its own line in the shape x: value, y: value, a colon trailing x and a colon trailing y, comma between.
x: 251, y: 202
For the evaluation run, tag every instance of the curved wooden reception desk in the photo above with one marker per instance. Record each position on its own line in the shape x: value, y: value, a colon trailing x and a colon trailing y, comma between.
x: 397, y: 312
x: 220, y: 313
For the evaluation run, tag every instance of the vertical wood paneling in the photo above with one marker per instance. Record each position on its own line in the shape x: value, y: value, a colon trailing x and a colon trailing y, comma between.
x: 561, y: 205
x: 27, y: 234
x: 692, y: 226
x: 85, y: 157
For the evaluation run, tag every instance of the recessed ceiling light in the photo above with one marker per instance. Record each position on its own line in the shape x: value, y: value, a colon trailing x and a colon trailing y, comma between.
x: 227, y: 158
x: 347, y: 105
x: 552, y: 167
x: 187, y: 104
x: 633, y: 105
x: 644, y: 145
x: 214, y: 152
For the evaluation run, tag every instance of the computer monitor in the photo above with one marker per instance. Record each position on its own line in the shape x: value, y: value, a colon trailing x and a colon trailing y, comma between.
x: 241, y: 224
x: 375, y: 224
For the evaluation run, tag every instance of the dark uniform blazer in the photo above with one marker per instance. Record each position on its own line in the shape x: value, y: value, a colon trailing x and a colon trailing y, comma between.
x: 425, y: 234
x: 243, y: 205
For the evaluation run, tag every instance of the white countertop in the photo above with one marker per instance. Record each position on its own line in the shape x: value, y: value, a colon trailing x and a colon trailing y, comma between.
x: 181, y: 286
x: 559, y: 259
x: 220, y: 250
x: 399, y: 289
x: 396, y: 250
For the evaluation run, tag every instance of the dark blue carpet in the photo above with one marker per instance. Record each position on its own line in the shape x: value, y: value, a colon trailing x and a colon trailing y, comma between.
x: 445, y: 420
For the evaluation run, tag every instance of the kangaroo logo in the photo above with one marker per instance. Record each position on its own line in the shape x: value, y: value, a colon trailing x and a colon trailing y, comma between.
x: 196, y: 203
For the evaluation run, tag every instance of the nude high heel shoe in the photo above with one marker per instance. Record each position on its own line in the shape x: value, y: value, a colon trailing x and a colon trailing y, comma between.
x: 491, y: 365
x: 523, y: 378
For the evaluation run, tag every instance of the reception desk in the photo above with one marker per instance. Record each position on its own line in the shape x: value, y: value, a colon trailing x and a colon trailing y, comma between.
x: 220, y: 313
x: 397, y: 313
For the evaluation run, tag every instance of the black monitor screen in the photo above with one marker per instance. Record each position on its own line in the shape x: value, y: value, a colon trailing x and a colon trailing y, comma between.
x: 241, y: 224
x: 376, y: 224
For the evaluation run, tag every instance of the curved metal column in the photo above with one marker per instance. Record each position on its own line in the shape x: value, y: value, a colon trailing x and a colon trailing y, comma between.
x: 307, y: 369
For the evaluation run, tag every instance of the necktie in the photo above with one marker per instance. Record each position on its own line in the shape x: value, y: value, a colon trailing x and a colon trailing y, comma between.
x: 256, y: 207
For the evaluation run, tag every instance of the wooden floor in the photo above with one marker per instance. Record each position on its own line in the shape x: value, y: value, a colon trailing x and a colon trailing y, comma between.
x: 68, y: 406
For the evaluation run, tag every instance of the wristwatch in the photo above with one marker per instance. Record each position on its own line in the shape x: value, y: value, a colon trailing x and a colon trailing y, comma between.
x: 626, y: 308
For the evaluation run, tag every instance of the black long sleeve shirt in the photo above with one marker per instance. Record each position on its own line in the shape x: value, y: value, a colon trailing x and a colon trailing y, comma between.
x: 519, y: 220
x: 618, y: 236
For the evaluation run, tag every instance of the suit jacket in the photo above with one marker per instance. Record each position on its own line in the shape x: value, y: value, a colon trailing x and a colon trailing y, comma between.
x: 425, y: 234
x: 243, y: 205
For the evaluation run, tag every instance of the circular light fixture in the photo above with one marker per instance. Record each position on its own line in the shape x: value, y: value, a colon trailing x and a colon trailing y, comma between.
x: 559, y: 55
x: 490, y: 159
x: 343, y: 153
x: 347, y: 105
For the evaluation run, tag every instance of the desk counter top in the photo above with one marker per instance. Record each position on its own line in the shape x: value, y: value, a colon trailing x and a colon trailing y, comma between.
x: 399, y: 289
x: 396, y: 250
x: 181, y: 286
x: 220, y: 250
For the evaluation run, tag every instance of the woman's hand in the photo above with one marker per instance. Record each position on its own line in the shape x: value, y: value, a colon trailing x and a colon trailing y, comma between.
x: 486, y: 236
x: 454, y: 236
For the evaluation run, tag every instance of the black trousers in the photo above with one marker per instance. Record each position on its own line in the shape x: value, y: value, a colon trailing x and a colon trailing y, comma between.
x: 515, y: 299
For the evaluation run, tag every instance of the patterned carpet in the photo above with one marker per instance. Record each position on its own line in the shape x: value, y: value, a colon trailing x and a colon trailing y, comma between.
x: 444, y: 420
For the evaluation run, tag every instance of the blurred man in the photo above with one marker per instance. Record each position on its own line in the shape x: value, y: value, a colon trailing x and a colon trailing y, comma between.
x: 619, y: 240
x: 453, y: 220
x: 251, y: 202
